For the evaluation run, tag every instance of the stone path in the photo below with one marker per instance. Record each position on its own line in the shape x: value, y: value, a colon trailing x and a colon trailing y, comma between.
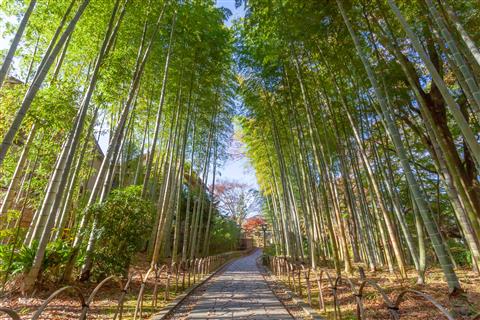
x: 239, y: 292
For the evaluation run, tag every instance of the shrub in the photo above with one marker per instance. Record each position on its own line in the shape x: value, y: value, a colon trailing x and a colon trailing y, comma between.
x: 21, y: 261
x: 124, y: 220
x: 10, y: 230
x: 460, y: 253
x: 225, y: 235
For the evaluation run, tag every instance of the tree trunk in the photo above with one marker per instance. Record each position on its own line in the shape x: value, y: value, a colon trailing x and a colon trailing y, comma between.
x: 37, y: 82
x: 438, y: 245
x: 13, y: 186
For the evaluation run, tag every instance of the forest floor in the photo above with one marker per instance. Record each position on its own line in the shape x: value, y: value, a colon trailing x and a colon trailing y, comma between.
x: 412, y: 308
x: 104, y: 306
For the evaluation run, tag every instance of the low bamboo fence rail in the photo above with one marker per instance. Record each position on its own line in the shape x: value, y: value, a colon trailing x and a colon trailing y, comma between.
x: 299, y: 277
x: 166, y: 277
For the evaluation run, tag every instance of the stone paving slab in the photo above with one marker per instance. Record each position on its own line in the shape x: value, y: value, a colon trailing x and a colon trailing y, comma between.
x: 239, y: 292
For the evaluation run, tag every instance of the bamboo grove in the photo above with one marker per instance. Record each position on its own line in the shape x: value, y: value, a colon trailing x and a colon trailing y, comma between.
x: 361, y: 121
x: 110, y: 104
x: 360, y: 118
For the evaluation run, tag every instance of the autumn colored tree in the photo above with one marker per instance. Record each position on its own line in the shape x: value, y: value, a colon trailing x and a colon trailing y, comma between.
x: 237, y: 199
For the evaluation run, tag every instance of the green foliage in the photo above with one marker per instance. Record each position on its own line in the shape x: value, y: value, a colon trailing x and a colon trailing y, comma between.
x: 225, y: 235
x: 10, y: 217
x: 269, y: 250
x: 21, y: 261
x: 56, y: 257
x: 462, y: 255
x: 124, y: 221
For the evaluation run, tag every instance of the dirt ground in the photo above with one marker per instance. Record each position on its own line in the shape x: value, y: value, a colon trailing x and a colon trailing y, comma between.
x: 105, y: 304
x: 412, y: 307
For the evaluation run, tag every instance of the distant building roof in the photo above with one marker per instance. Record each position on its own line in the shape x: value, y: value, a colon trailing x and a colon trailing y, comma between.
x: 12, y: 81
x: 99, y: 149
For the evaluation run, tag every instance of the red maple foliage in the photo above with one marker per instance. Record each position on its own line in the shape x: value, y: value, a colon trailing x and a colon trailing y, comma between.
x: 253, y: 224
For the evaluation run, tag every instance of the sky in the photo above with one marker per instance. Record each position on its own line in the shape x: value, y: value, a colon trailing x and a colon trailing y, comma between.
x: 4, y: 42
x: 236, y: 12
x: 239, y: 169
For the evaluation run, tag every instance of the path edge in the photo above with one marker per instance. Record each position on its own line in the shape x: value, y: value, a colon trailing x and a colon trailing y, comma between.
x: 295, y: 298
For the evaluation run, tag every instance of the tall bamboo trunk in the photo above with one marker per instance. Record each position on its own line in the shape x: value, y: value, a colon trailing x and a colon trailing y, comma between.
x: 19, y: 170
x: 151, y: 154
x: 430, y: 225
x: 113, y: 148
x: 37, y: 82
x: 436, y: 77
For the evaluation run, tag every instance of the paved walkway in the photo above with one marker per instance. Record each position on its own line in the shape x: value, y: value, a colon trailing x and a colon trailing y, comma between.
x: 240, y: 292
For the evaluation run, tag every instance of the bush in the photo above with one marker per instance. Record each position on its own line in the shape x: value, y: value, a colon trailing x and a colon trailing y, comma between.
x: 56, y: 256
x: 124, y: 221
x: 270, y: 250
x: 462, y: 256
x: 20, y: 262
x: 225, y: 235
x: 10, y: 230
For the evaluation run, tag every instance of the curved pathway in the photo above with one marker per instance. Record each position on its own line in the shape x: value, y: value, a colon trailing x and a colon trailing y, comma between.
x: 238, y: 292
